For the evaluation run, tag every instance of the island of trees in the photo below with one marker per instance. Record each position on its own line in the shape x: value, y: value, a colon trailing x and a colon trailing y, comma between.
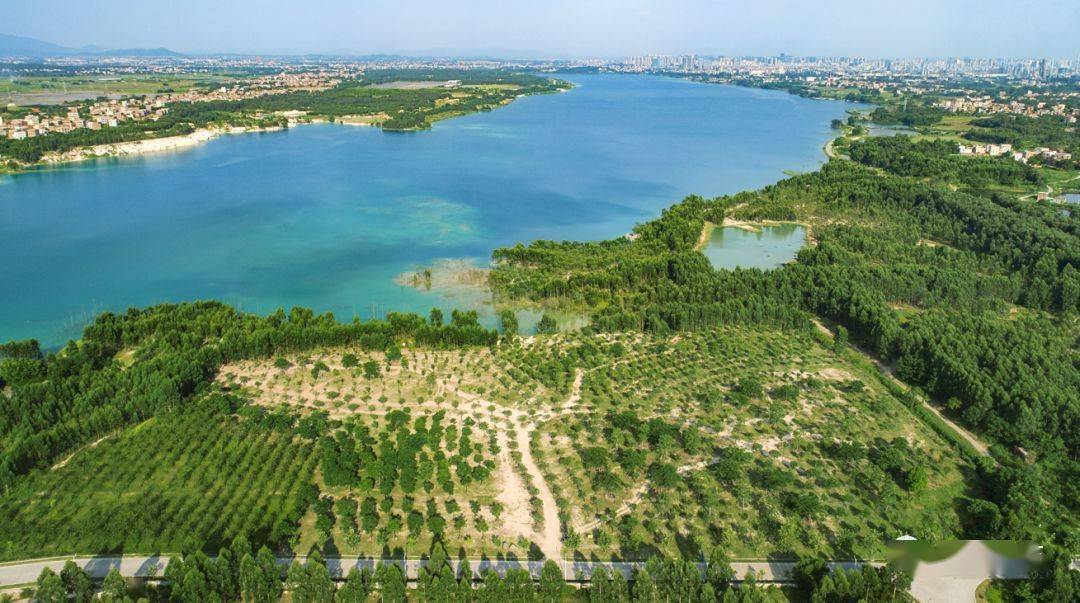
x: 395, y: 109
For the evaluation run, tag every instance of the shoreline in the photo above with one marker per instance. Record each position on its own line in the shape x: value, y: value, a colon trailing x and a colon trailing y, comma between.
x: 143, y: 147
x: 201, y: 135
x: 165, y: 143
x: 176, y: 143
x: 751, y: 226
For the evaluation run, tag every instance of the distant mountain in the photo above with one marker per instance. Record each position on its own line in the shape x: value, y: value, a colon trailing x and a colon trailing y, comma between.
x: 137, y: 52
x: 29, y: 47
x: 19, y: 46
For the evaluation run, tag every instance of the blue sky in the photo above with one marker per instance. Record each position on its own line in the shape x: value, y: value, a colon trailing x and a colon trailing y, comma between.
x: 561, y: 28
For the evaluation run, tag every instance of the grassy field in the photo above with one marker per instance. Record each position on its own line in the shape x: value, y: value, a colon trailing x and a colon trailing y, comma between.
x: 951, y: 127
x: 111, y: 84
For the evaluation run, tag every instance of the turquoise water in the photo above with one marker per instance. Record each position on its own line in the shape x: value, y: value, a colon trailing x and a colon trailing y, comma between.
x: 327, y: 215
x: 765, y: 248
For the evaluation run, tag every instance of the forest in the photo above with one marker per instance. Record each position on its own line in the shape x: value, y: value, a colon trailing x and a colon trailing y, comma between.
x: 58, y: 401
x: 938, y: 159
x: 1026, y: 132
x: 909, y: 114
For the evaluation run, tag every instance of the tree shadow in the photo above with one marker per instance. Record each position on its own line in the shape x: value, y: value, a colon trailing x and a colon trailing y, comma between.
x: 330, y: 548
x: 688, y: 547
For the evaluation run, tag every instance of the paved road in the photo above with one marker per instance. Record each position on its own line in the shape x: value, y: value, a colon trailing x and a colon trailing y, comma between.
x: 956, y: 578
x: 151, y: 566
x: 950, y: 580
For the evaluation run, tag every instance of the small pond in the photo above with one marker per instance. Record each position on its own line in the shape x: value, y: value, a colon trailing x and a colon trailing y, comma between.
x: 882, y: 130
x: 764, y: 247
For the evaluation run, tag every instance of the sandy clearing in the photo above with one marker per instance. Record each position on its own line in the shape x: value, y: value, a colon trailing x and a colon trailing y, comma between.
x: 550, y: 536
x: 513, y: 491
x: 575, y: 390
x: 834, y: 374
x: 516, y: 519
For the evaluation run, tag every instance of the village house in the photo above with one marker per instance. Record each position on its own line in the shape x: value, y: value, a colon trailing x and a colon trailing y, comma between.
x: 111, y: 113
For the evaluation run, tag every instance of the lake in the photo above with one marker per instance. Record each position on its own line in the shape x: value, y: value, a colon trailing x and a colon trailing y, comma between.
x: 326, y: 216
x: 764, y: 247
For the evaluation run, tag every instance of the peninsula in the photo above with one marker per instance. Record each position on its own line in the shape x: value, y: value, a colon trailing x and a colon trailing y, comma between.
x: 399, y: 100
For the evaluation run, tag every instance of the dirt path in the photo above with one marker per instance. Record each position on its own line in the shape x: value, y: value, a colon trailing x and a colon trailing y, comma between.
x: 888, y: 372
x: 638, y: 493
x: 703, y: 238
x: 822, y: 328
x: 575, y: 390
x: 549, y: 538
x: 1049, y: 191
x: 967, y: 435
x: 516, y: 518
x: 513, y: 490
x: 67, y: 459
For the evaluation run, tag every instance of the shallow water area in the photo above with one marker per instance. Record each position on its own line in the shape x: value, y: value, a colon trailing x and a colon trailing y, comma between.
x: 764, y: 246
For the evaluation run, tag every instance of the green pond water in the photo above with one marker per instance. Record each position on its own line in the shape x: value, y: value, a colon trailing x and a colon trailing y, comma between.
x: 764, y: 248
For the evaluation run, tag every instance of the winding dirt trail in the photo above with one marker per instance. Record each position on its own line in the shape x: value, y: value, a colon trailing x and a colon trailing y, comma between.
x: 638, y: 493
x: 514, y: 492
x: 549, y: 538
x: 68, y: 458
x: 575, y: 391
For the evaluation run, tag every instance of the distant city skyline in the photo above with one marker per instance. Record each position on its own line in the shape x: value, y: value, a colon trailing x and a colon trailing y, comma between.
x: 563, y: 28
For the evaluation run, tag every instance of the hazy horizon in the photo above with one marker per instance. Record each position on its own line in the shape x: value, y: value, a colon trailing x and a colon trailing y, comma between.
x: 563, y: 28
